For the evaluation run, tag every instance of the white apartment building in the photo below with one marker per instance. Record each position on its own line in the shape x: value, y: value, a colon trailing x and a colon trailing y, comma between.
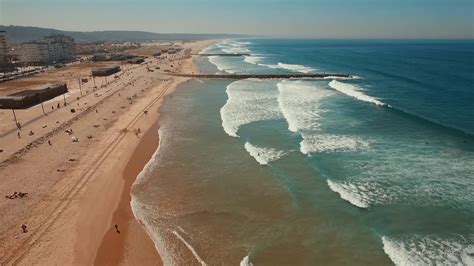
x: 35, y: 52
x: 65, y: 46
x: 49, y: 50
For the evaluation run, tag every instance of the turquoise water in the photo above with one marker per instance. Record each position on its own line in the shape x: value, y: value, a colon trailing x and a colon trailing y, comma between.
x: 369, y: 171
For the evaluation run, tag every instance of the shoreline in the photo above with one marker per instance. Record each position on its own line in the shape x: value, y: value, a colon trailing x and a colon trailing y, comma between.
x: 129, y: 227
x: 134, y: 245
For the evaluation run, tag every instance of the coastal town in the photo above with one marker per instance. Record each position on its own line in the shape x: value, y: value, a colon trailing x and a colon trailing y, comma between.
x: 236, y: 132
x: 71, y: 116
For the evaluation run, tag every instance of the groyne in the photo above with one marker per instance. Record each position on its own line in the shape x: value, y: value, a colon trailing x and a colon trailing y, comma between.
x: 237, y: 54
x: 262, y: 76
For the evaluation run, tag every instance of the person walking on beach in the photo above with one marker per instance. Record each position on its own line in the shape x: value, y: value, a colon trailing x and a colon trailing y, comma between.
x: 116, y: 229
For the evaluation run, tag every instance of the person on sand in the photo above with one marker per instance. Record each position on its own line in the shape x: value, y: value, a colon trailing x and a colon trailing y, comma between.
x: 116, y: 229
x: 24, y: 228
x: 18, y: 134
x: 49, y: 142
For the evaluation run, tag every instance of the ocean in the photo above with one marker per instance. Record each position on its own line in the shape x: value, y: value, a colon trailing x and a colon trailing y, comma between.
x: 373, y: 170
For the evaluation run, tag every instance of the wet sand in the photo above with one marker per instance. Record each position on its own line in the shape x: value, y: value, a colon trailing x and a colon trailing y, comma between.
x: 130, y: 245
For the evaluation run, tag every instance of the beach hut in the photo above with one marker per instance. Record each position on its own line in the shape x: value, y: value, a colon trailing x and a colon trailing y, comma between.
x: 30, y: 97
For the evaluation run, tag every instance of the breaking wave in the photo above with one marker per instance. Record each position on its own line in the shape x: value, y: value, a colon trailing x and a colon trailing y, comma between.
x: 249, y: 101
x: 429, y: 250
x: 299, y: 102
x: 291, y: 67
x: 254, y: 59
x: 263, y: 155
x: 350, y: 193
x: 354, y: 91
x: 318, y: 143
x: 223, y: 65
x: 234, y: 47
x: 246, y: 261
x: 361, y: 194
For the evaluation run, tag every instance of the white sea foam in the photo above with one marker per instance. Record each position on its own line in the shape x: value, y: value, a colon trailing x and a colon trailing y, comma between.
x: 292, y: 67
x: 253, y: 59
x: 231, y: 47
x: 299, y: 102
x: 140, y: 209
x: 249, y: 101
x: 429, y: 250
x: 350, y: 192
x: 196, y: 255
x: 263, y: 155
x: 362, y: 194
x: 414, y: 178
x: 342, y: 78
x: 181, y: 229
x: 317, y: 143
x: 207, y: 49
x: 236, y: 50
x: 235, y: 47
x: 246, y: 261
x: 354, y: 91
x: 222, y: 64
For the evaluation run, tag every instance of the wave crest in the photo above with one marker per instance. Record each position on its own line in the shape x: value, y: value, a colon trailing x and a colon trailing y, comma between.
x: 246, y: 104
x: 291, y: 67
x: 354, y: 91
x: 429, y: 250
x: 299, y: 102
x: 331, y: 143
x: 263, y: 155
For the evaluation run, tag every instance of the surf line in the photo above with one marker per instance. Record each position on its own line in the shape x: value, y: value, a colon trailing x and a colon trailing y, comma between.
x: 198, y: 258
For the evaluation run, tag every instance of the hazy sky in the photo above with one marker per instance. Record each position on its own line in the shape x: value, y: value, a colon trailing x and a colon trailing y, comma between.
x: 296, y: 18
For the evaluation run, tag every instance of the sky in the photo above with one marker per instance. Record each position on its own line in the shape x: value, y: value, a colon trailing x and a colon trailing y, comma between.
x: 282, y: 18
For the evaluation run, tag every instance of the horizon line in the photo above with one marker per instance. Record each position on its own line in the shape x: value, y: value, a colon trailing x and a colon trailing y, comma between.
x: 259, y: 35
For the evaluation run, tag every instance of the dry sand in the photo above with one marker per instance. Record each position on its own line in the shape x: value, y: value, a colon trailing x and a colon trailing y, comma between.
x: 78, y: 191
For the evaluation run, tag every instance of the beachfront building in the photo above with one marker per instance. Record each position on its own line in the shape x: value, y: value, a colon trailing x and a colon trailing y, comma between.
x: 35, y: 53
x: 50, y: 50
x: 105, y: 71
x: 4, y: 54
x: 64, y: 46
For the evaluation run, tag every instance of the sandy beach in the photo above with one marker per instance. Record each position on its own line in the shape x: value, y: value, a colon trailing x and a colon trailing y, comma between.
x: 79, y: 191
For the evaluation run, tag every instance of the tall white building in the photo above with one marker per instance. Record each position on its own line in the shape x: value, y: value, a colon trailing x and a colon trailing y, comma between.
x: 35, y: 52
x: 50, y: 50
x: 64, y: 46
x: 3, y: 49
